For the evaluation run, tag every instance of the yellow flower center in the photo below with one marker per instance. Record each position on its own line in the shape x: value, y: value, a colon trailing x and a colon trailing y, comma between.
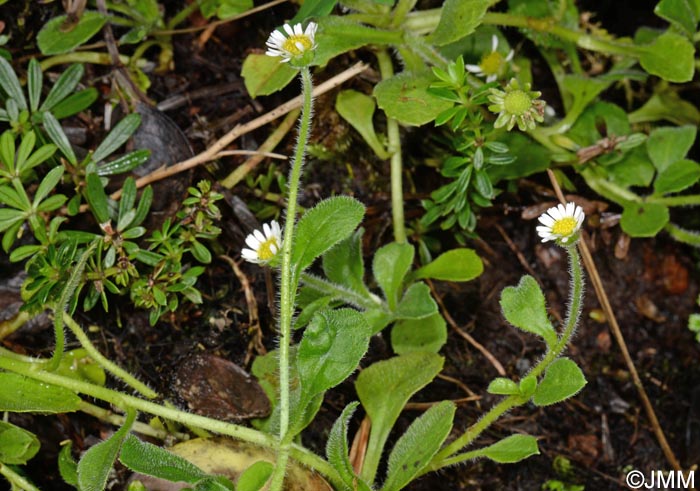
x: 265, y: 251
x: 564, y: 227
x: 517, y: 102
x: 291, y: 44
x: 492, y: 63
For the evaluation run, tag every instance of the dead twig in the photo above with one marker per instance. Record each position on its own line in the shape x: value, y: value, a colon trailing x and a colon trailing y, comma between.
x: 240, y: 130
x: 615, y: 327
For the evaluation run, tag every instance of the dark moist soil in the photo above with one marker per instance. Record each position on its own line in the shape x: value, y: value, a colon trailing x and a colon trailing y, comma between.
x: 603, y: 431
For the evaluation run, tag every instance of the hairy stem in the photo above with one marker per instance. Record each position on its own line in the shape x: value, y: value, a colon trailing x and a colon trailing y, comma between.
x: 290, y: 278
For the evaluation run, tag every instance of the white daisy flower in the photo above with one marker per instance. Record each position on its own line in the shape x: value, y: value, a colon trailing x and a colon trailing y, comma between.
x: 493, y: 64
x: 561, y: 223
x: 295, y: 44
x: 263, y: 245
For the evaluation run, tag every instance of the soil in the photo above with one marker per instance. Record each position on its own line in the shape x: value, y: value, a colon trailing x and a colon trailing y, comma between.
x: 603, y: 432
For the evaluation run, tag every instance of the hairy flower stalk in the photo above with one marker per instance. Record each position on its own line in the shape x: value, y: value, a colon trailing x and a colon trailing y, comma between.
x: 297, y: 48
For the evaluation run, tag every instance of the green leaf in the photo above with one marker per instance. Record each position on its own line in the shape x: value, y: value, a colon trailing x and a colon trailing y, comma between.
x: 454, y: 265
x: 531, y: 158
x: 524, y: 307
x: 151, y: 460
x: 23, y: 395
x: 405, y: 97
x: 264, y: 75
x: 670, y: 56
x: 384, y: 388
x: 337, y: 450
x: 95, y: 465
x: 418, y: 445
x: 635, y: 169
x: 427, y: 334
x: 682, y: 13
x: 38, y: 157
x: 56, y: 134
x: 337, y: 35
x: 75, y: 103
x: 56, y: 37
x: 67, y: 466
x: 668, y: 105
x: 416, y: 303
x: 255, y: 476
x: 313, y: 8
x: 668, y: 145
x: 503, y: 386
x: 323, y: 226
x: 343, y: 264
x: 677, y: 177
x: 125, y: 163
x: 390, y: 266
x: 17, y: 445
x: 527, y: 386
x: 117, y: 137
x: 512, y: 449
x: 562, y: 380
x: 231, y: 8
x: 97, y: 198
x: 333, y: 345
x: 34, y: 84
x: 458, y: 18
x: 358, y: 109
x: 48, y: 183
x: 644, y: 219
x: 65, y: 85
x: 10, y: 84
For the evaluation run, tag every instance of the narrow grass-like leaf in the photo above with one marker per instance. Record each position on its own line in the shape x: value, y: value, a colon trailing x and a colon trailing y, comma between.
x: 55, y: 132
x: 48, y: 183
x: 65, y: 84
x: 117, y: 137
x: 97, y: 198
x: 75, y: 103
x: 34, y: 84
x: 10, y: 84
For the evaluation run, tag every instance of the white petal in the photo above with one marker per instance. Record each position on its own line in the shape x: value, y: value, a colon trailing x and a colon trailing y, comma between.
x: 299, y: 46
x: 491, y: 78
x: 258, y: 235
x: 547, y: 220
x: 311, y: 29
x: 252, y: 242
x: 473, y: 68
x: 298, y: 30
x: 510, y: 55
x: 288, y: 28
x: 494, y: 42
x: 266, y: 230
x: 273, y: 249
x: 570, y: 208
x: 554, y: 213
x: 276, y: 228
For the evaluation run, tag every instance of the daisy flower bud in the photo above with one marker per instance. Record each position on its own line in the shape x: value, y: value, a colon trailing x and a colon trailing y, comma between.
x: 297, y: 46
x: 517, y: 105
x: 263, y: 246
x: 561, y: 224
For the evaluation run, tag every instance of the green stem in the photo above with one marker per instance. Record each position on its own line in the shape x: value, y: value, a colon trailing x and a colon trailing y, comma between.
x: 386, y: 68
x: 365, y: 302
x: 16, y: 479
x: 289, y: 279
x: 687, y: 200
x: 182, y: 15
x: 92, y: 57
x: 683, y: 235
x: 33, y: 370
x: 105, y: 363
x: 403, y: 7
x: 446, y: 457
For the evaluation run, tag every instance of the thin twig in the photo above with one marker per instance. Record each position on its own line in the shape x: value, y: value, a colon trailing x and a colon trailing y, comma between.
x: 240, y: 130
x: 615, y: 327
x: 487, y: 354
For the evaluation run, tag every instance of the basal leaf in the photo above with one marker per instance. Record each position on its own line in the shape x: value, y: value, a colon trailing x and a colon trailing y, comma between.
x: 390, y: 266
x: 264, y: 75
x: 343, y: 264
x: 405, y: 97
x: 677, y: 177
x: 20, y: 394
x: 333, y: 345
x: 255, y: 476
x: 17, y: 445
x: 644, y: 219
x: 146, y: 458
x: 384, y: 388
x: 512, y: 449
x: 427, y: 334
x: 337, y: 451
x: 683, y: 13
x: 57, y: 36
x: 454, y: 265
x: 524, y: 307
x: 416, y: 303
x: 667, y: 145
x: 459, y: 18
x: 358, y: 109
x: 418, y: 445
x: 562, y: 380
x: 670, y: 56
